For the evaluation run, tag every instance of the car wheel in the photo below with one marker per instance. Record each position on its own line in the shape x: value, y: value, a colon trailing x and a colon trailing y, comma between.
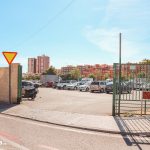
x: 129, y: 92
x: 75, y: 88
x: 64, y: 87
x: 107, y: 92
x: 87, y: 89
x: 102, y: 90
x: 33, y: 96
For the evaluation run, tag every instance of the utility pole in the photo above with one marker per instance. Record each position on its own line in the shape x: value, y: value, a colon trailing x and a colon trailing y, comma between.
x: 120, y: 38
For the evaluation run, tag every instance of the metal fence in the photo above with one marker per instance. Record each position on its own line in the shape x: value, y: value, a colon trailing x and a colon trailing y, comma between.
x: 131, y: 89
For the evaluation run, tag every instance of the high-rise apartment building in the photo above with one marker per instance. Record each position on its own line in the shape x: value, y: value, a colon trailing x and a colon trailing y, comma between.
x: 31, y: 65
x: 39, y: 64
x: 42, y: 63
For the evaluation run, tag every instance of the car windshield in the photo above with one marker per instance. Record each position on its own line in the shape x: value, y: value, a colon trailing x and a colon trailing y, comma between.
x: 27, y: 84
x: 95, y: 83
x: 62, y: 82
x: 87, y: 83
x: 109, y: 83
x: 103, y: 83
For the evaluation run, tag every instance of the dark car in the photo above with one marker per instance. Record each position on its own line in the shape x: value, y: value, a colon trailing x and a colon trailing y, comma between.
x: 29, y: 90
x: 124, y: 88
x: 55, y: 85
x: 145, y: 86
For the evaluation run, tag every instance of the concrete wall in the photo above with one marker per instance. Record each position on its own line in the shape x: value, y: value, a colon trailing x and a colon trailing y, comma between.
x: 4, y: 83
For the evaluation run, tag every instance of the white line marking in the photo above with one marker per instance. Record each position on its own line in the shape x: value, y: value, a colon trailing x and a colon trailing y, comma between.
x: 47, y: 147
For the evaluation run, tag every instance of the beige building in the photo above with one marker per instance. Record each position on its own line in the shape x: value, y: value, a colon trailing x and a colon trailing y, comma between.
x: 38, y: 65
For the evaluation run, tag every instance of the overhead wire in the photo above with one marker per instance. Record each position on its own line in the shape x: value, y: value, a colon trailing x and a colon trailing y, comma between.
x: 46, y: 24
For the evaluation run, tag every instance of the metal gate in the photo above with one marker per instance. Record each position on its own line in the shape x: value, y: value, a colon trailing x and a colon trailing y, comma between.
x: 19, y: 97
x: 131, y: 89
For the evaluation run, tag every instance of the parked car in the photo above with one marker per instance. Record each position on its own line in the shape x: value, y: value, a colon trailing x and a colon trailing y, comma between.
x: 29, y: 90
x: 98, y: 86
x: 84, y: 87
x: 55, y: 85
x: 145, y: 86
x: 132, y: 84
x: 74, y: 86
x: 124, y: 87
x: 48, y: 84
x: 36, y: 83
x: 63, y: 84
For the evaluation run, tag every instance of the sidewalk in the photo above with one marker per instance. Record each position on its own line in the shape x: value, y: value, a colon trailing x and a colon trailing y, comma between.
x: 109, y: 124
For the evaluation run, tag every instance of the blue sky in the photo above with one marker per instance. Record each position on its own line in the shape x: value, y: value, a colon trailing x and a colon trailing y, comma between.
x: 85, y: 33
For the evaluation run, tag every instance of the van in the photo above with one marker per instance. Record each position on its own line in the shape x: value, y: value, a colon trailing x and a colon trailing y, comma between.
x: 98, y: 86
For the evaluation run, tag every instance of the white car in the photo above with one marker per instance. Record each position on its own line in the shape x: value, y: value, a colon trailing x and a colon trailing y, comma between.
x: 63, y: 84
x: 85, y: 87
x: 73, y: 86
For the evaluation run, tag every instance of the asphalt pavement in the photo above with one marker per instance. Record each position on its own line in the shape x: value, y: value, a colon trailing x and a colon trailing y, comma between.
x: 64, y: 108
x: 69, y: 101
x: 42, y: 136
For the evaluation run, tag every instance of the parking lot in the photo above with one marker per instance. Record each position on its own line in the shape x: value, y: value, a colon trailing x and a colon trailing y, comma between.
x: 71, y: 101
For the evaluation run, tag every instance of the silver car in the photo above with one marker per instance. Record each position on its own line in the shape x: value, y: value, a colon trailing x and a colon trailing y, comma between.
x: 73, y: 86
x: 85, y: 87
x: 63, y: 84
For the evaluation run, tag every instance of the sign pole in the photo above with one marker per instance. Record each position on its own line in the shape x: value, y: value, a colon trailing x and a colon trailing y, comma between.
x: 9, y: 56
x: 10, y: 83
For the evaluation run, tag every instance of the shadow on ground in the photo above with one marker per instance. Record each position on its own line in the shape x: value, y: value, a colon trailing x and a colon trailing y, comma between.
x: 134, y: 126
x: 5, y: 106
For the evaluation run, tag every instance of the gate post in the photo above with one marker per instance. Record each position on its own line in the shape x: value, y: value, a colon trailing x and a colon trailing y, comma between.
x: 114, y: 90
x: 19, y: 84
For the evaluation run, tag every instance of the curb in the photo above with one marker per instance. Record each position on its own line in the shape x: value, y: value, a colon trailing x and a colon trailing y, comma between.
x: 145, y: 134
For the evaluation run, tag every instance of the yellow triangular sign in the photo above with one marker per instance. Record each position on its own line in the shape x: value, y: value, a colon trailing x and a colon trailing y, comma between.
x: 9, y: 56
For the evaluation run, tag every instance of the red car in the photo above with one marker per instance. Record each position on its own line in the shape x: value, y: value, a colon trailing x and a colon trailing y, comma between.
x: 48, y: 84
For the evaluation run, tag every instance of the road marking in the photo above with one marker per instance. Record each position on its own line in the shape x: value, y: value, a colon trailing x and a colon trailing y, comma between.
x: 9, y: 136
x: 7, y: 141
x: 47, y: 147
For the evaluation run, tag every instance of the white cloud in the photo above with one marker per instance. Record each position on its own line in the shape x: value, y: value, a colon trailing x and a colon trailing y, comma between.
x: 129, y: 17
x: 108, y: 40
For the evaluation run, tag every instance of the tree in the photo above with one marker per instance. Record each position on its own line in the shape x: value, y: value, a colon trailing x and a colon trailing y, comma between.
x: 32, y: 77
x: 98, y: 75
x: 50, y: 71
x: 141, y: 75
x: 66, y: 77
x: 36, y: 77
x: 145, y: 61
x: 92, y: 76
x: 75, y: 74
x: 106, y: 76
